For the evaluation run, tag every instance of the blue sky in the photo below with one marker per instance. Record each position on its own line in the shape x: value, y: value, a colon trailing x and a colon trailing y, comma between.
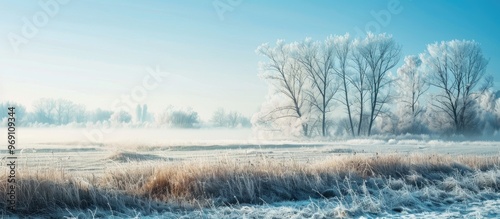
x: 93, y: 52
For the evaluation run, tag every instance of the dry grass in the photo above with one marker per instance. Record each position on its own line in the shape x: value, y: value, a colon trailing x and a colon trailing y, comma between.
x: 266, y: 181
x: 52, y: 192
x: 154, y: 187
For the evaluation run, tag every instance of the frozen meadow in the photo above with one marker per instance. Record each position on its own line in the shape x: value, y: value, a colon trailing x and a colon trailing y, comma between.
x: 221, y: 173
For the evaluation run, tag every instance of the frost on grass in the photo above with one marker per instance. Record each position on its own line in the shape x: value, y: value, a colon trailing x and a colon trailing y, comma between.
x: 342, y: 186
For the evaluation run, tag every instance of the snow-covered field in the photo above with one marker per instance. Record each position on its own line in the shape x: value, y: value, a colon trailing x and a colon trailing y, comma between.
x: 71, y: 150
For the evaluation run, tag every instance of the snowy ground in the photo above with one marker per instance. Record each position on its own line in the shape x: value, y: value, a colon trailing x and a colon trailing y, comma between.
x: 69, y: 149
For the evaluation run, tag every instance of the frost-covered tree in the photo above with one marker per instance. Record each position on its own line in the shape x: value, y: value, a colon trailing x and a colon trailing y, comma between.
x: 79, y: 113
x: 178, y: 118
x: 380, y: 53
x: 121, y: 117
x: 231, y: 119
x: 318, y: 59
x: 63, y: 111
x: 411, y: 86
x: 487, y: 107
x: 138, y: 113
x: 183, y: 119
x: 20, y: 113
x: 360, y: 84
x: 219, y: 118
x: 44, y: 111
x: 343, y: 50
x: 456, y: 69
x: 100, y: 115
x: 145, y: 113
x: 287, y: 82
x: 58, y: 111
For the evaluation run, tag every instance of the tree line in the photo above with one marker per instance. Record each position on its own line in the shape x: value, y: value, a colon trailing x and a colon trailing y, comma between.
x: 354, y: 86
x: 59, y: 112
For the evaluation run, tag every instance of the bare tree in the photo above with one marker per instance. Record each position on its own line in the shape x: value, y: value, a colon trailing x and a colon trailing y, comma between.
x: 219, y: 117
x: 317, y: 59
x: 457, y: 68
x: 343, y: 46
x: 381, y: 53
x: 145, y: 113
x: 44, y: 111
x: 359, y: 82
x: 411, y: 84
x: 63, y: 109
x: 233, y: 118
x: 138, y: 113
x: 287, y: 78
x: 21, y: 118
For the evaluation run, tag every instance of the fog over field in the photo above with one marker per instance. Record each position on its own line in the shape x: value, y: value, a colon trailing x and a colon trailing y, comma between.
x: 249, y: 109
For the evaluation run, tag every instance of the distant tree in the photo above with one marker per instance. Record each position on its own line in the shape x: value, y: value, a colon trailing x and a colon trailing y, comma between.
x: 244, y: 122
x: 219, y: 118
x: 145, y: 113
x: 183, y: 119
x: 20, y: 112
x: 121, y: 117
x: 63, y: 110
x: 456, y: 69
x: 79, y: 113
x: 44, y: 111
x: 100, y: 115
x: 233, y: 119
x: 58, y: 111
x: 138, y: 113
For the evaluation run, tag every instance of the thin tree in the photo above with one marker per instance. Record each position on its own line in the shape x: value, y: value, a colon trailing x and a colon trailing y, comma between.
x: 359, y: 81
x: 317, y: 59
x: 343, y: 46
x: 381, y: 53
x: 63, y: 109
x: 145, y: 113
x: 138, y: 113
x: 411, y: 84
x: 287, y: 78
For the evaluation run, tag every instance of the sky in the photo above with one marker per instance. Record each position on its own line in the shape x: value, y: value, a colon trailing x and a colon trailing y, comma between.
x: 100, y: 53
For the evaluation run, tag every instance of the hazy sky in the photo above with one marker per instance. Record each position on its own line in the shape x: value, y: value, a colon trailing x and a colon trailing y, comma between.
x: 93, y: 52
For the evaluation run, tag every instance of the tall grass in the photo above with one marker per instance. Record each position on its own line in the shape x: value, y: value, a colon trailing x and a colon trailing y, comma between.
x: 359, y: 183
x: 266, y: 181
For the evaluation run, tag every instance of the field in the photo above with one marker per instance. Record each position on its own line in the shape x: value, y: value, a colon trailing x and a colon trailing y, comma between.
x: 228, y: 174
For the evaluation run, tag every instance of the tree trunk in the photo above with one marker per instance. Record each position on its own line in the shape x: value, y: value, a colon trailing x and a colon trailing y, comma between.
x: 360, y: 115
x: 348, y: 106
